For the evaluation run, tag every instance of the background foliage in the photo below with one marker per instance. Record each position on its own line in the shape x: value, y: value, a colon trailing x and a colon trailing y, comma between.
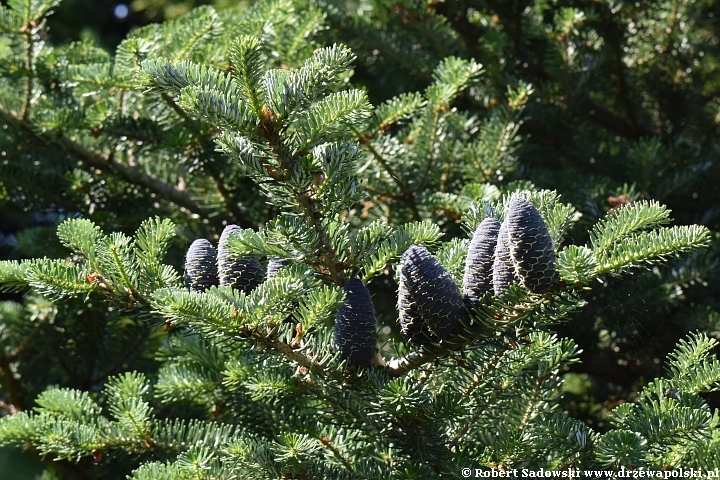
x: 607, y: 102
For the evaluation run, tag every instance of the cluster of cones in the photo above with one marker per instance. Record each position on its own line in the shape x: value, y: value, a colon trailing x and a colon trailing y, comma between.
x: 206, y: 266
x: 431, y: 306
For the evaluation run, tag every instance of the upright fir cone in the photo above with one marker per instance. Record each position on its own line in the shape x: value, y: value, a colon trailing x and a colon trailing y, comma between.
x: 503, y: 269
x: 411, y: 325
x: 239, y: 272
x: 355, y: 334
x: 200, y: 268
x: 531, y: 247
x: 434, y: 296
x: 274, y: 265
x: 478, y: 278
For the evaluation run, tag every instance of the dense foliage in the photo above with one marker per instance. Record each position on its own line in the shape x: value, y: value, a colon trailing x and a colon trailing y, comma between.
x: 462, y: 211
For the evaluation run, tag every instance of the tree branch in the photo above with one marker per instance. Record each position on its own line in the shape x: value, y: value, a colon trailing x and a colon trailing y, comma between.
x: 327, y: 253
x: 408, y: 195
x: 231, y: 205
x: 296, y: 356
x: 20, y: 349
x: 614, y: 123
x: 28, y: 32
x: 130, y: 173
x: 239, y: 217
x: 478, y: 330
x: 15, y: 403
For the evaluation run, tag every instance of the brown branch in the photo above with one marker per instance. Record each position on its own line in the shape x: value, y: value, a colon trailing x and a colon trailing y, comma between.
x: 131, y: 173
x: 135, y: 175
x: 400, y: 366
x: 296, y: 356
x: 28, y: 32
x: 335, y: 269
x: 408, y: 195
x: 14, y: 394
x: 10, y: 409
x: 325, y: 442
x: 12, y: 356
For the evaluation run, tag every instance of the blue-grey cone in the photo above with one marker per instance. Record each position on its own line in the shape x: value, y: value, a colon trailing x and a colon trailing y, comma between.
x: 241, y: 272
x: 435, y: 295
x: 503, y: 270
x: 478, y: 278
x: 200, y: 267
x: 355, y: 334
x: 411, y: 325
x: 531, y: 247
x: 274, y: 265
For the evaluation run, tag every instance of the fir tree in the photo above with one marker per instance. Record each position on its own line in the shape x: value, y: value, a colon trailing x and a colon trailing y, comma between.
x: 252, y: 120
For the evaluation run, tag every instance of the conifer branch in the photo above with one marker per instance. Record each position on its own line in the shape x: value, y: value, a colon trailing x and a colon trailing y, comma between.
x: 614, y: 123
x: 30, y: 184
x: 372, y: 40
x: 407, y: 195
x: 179, y: 111
x: 131, y: 173
x: 29, y: 69
x: 479, y: 410
x: 296, y: 356
x: 503, y: 316
x: 325, y: 442
x: 238, y: 216
x: 9, y: 384
x: 533, y: 398
x: 480, y: 376
x: 12, y: 356
x: 290, y: 131
x: 328, y: 256
x: 431, y: 147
